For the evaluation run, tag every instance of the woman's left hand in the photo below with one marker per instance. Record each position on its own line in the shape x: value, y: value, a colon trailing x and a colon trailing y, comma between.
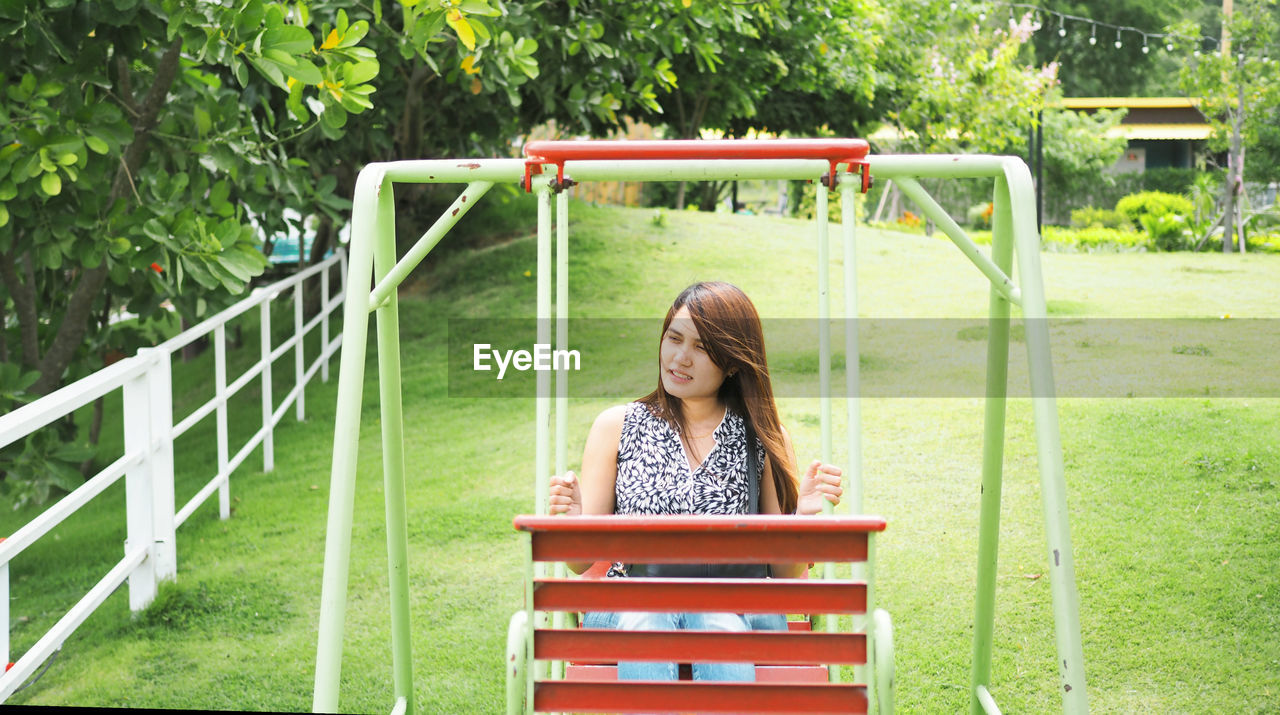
x: 820, y: 481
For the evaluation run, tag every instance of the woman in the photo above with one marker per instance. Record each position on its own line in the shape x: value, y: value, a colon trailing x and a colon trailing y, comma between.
x: 682, y: 449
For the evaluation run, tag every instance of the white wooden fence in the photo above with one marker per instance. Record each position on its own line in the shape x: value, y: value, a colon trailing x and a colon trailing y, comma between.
x: 150, y: 552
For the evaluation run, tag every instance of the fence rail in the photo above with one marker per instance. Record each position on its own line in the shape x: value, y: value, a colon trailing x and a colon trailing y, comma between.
x: 150, y: 553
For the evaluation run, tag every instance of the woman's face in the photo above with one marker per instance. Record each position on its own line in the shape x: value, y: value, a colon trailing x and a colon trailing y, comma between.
x: 687, y: 370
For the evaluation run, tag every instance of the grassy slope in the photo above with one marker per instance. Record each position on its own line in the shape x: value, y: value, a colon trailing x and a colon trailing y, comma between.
x: 1173, y: 502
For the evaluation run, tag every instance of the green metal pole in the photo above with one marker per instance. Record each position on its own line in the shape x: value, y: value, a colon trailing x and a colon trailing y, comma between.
x: 992, y: 447
x: 542, y: 449
x: 469, y: 197
x: 1053, y: 488
x: 829, y: 622
x: 373, y: 215
x: 852, y: 354
x: 562, y: 375
x: 384, y: 259
x: 852, y: 481
x: 824, y: 334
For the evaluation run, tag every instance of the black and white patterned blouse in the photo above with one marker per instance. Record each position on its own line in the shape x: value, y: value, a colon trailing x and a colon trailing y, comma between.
x: 654, y: 477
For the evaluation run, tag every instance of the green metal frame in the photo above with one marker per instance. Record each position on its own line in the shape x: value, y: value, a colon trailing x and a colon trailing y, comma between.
x: 374, y: 274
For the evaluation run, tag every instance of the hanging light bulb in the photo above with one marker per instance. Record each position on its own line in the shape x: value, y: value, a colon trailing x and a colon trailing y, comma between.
x: 1093, y: 35
x: 982, y: 16
x: 1168, y: 45
x: 1062, y: 26
x: 1145, y: 49
x: 954, y: 6
x: 1118, y: 43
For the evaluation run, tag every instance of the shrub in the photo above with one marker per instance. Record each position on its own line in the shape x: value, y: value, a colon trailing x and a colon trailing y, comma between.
x: 1152, y: 203
x: 1090, y: 217
x: 1167, y: 232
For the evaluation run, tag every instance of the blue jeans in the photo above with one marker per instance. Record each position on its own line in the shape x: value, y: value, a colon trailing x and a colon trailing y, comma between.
x: 647, y: 670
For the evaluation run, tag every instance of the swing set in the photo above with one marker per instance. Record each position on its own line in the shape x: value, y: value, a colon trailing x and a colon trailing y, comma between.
x: 539, y: 645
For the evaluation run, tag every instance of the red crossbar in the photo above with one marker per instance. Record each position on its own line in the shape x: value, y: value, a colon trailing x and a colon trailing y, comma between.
x: 840, y: 150
x: 700, y: 595
x: 687, y: 696
x: 699, y: 539
x: 781, y: 647
x: 852, y: 152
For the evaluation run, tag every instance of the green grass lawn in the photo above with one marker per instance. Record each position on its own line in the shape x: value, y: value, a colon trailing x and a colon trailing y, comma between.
x: 1174, y: 506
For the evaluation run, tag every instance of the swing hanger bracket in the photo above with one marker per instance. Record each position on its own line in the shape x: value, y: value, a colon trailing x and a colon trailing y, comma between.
x: 535, y: 165
x: 859, y: 166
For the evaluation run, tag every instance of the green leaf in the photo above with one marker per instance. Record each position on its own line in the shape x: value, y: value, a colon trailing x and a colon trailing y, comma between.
x: 51, y: 183
x: 8, y: 190
x: 354, y: 34
x: 96, y: 145
x: 360, y: 72
x: 377, y: 11
x: 303, y: 71
x: 203, y: 121
x: 50, y: 89
x: 288, y: 38
x: 478, y: 7
x: 4, y: 215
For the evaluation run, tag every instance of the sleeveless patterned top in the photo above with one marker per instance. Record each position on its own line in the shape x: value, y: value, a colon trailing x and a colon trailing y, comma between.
x: 654, y: 477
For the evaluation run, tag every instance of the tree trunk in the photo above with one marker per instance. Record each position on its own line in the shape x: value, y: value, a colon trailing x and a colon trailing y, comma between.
x: 75, y: 322
x: 1235, y: 176
x: 680, y: 196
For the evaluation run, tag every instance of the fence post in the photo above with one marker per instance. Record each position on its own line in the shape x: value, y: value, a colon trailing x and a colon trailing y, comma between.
x: 220, y: 394
x: 299, y: 367
x: 324, y: 323
x: 148, y: 428
x: 268, y: 444
x: 4, y: 614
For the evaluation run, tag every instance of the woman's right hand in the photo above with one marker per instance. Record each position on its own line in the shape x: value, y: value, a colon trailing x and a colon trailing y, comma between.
x: 565, y: 496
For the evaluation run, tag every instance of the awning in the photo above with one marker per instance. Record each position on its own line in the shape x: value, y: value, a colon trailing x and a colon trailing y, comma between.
x: 1161, y: 131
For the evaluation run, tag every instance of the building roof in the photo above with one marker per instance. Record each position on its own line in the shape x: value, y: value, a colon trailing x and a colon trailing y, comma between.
x: 1129, y: 102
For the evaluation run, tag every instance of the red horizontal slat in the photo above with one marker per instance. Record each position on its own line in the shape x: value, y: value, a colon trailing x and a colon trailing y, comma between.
x: 830, y: 149
x: 686, y: 696
x: 580, y: 672
x: 610, y: 645
x: 699, y: 539
x: 700, y: 595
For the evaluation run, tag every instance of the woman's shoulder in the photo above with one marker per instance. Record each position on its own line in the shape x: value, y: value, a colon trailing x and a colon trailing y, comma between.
x: 613, y: 416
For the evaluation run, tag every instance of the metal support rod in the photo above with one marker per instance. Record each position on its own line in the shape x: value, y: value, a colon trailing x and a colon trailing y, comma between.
x: 373, y: 216
x: 459, y: 208
x: 998, y: 278
x: 393, y: 473
x: 852, y: 480
x: 1053, y: 488
x: 542, y: 418
x: 561, y: 375
x: 829, y: 623
x: 852, y: 353
x: 992, y: 448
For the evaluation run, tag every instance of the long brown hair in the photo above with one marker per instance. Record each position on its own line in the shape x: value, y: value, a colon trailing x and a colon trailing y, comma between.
x: 729, y: 328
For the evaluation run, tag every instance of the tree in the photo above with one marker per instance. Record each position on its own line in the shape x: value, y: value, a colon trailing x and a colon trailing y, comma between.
x: 1099, y: 68
x: 1239, y: 96
x: 967, y: 88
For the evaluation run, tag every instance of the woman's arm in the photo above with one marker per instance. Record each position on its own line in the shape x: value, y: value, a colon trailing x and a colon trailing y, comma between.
x: 593, y: 493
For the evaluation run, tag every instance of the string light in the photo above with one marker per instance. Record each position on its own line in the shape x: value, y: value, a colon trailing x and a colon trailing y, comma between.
x: 1093, y: 35
x: 1062, y: 26
x: 1145, y: 49
x: 1118, y: 43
